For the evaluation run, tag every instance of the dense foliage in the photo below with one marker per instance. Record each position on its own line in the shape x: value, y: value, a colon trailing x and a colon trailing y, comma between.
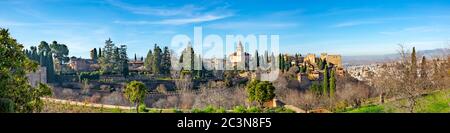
x: 260, y: 91
x: 14, y: 65
x: 135, y: 92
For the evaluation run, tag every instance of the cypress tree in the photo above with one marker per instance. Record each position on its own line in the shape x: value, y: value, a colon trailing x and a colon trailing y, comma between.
x: 414, y: 63
x: 148, y: 63
x: 99, y: 52
x: 166, y: 61
x: 156, y: 66
x: 50, y: 68
x: 42, y: 59
x: 332, y: 83
x: 325, y: 81
x: 257, y: 58
x: 124, y: 60
x: 423, y: 69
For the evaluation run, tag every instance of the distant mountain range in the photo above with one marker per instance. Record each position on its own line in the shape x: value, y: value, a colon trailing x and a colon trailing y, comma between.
x: 370, y: 59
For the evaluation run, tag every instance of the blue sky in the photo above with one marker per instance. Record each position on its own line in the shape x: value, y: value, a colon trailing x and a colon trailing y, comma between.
x: 344, y: 27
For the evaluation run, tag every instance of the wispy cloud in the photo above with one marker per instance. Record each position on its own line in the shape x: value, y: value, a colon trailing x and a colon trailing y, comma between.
x: 252, y: 25
x: 354, y: 23
x: 342, y: 11
x: 185, y: 10
x: 185, y: 14
x: 286, y: 13
x: 175, y: 21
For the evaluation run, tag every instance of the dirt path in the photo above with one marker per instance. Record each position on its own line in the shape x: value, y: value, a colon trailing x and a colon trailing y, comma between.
x: 96, y: 105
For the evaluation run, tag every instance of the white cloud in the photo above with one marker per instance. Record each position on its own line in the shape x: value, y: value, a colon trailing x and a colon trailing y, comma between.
x: 185, y: 14
x: 185, y: 10
x: 192, y: 20
x: 347, y: 11
x: 252, y: 24
x: 176, y: 21
x: 354, y: 23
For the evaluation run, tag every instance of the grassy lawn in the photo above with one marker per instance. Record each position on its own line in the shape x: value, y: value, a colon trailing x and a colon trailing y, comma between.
x: 438, y: 102
x: 53, y: 107
x: 368, y: 109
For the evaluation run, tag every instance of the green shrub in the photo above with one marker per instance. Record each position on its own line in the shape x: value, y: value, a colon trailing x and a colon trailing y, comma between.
x: 221, y: 110
x: 176, y: 111
x: 153, y: 110
x: 368, y: 109
x: 196, y: 110
x: 116, y: 110
x: 6, y: 105
x: 89, y: 75
x: 143, y: 108
x: 279, y: 110
x: 209, y: 109
x: 254, y: 110
x: 239, y: 109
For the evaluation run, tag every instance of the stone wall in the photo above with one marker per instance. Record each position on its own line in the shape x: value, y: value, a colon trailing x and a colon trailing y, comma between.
x: 40, y: 76
x: 335, y: 59
x: 311, y: 58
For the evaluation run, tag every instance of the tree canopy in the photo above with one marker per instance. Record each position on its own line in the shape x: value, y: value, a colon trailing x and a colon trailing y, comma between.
x: 14, y: 65
x: 260, y: 91
x: 135, y: 92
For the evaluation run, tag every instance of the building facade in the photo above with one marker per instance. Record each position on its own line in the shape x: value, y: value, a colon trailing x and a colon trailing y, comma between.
x: 240, y: 59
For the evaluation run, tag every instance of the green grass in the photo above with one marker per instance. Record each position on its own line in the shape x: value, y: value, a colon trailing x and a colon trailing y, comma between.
x: 438, y: 102
x: 163, y: 78
x: 368, y: 109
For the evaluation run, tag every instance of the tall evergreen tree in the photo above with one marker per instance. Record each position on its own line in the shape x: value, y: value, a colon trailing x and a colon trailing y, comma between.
x: 414, y: 63
x: 60, y: 52
x: 156, y: 66
x: 42, y: 59
x: 51, y: 77
x: 117, y: 61
x: 148, y: 63
x: 34, y: 54
x: 46, y: 60
x: 99, y: 52
x: 94, y: 55
x: 325, y: 81
x: 44, y: 47
x: 280, y: 62
x: 166, y: 61
x: 108, y: 57
x: 332, y: 83
x: 124, y: 60
x: 423, y: 68
x: 257, y: 58
x: 187, y: 58
x: 199, y: 73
